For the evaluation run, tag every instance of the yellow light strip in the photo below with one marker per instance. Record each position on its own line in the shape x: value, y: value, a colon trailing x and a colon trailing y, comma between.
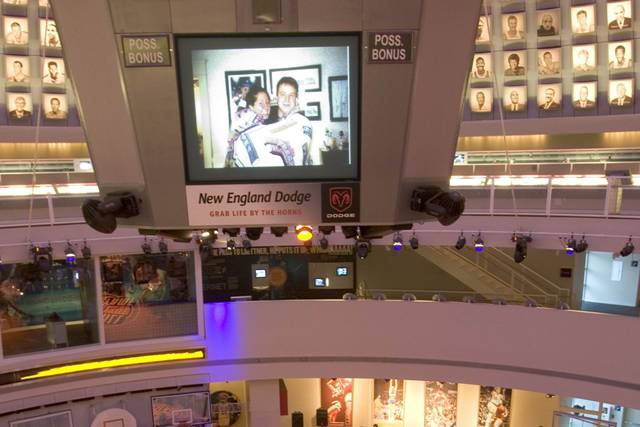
x: 116, y: 363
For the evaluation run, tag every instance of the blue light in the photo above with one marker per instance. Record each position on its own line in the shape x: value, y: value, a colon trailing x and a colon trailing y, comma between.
x: 397, y: 246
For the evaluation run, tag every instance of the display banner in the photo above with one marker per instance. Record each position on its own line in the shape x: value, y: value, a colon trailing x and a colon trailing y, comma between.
x: 146, y: 51
x: 263, y: 204
x: 388, y: 402
x: 440, y: 404
x: 336, y: 396
x: 495, y: 407
x: 390, y: 47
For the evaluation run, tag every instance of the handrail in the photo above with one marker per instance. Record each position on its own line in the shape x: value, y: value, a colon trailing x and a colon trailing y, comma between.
x: 486, y: 296
x: 560, y: 290
x: 509, y: 269
x: 484, y: 271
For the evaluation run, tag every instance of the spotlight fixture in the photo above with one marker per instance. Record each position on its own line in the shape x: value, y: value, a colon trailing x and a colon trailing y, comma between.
x: 445, y: 206
x: 304, y: 233
x: 86, y: 251
x: 363, y: 247
x: 478, y: 244
x: 162, y: 246
x: 253, y: 233
x: 246, y: 243
x: 205, y: 234
x: 279, y: 231
x: 231, y: 232
x: 397, y: 242
x: 231, y: 244
x: 520, y: 251
x: 101, y: 214
x: 42, y: 257
x: 581, y: 246
x: 146, y: 247
x: 570, y: 245
x: 324, y: 242
x: 350, y: 231
x: 462, y: 241
x: 628, y: 248
x: 326, y: 229
x: 70, y: 253
x: 414, y: 243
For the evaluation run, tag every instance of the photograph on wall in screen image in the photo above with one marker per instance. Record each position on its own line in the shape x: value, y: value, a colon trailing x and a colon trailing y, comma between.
x: 192, y: 409
x: 440, y: 404
x: 336, y: 396
x: 388, y: 402
x: 495, y: 407
x: 262, y: 108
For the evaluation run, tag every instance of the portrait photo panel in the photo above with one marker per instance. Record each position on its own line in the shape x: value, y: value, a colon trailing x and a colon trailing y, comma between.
x: 549, y: 62
x: 513, y: 26
x: 49, y: 36
x: 515, y: 63
x: 16, y: 31
x: 548, y: 21
x: 494, y: 407
x: 585, y: 95
x: 583, y: 19
x: 481, y: 100
x: 19, y: 106
x: 621, y: 92
x: 482, y: 33
x: 482, y: 67
x: 619, y: 15
x: 55, y: 106
x: 53, y: 71
x: 17, y: 69
x: 515, y: 99
x: 440, y: 404
x: 584, y: 58
x: 620, y: 55
x: 549, y: 97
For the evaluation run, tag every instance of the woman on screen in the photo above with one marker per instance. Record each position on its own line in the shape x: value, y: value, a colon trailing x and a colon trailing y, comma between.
x: 259, y: 102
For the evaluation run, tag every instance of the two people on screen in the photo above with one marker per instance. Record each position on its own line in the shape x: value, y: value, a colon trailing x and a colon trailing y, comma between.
x: 262, y: 135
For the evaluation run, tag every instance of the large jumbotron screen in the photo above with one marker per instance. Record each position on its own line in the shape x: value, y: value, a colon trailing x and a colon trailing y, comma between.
x: 270, y: 107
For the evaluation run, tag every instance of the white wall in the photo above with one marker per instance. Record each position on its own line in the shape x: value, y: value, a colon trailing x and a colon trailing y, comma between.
x: 598, y: 286
x: 304, y: 396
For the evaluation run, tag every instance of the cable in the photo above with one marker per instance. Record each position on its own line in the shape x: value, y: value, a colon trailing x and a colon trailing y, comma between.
x: 500, y: 109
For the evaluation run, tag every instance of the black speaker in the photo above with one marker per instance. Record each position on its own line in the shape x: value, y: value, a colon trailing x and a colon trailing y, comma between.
x: 322, y: 418
x: 297, y: 419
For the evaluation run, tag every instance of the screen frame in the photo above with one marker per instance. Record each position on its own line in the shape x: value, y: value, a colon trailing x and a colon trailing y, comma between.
x: 198, y: 175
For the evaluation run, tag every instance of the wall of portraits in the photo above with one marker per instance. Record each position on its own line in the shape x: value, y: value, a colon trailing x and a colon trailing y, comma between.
x: 33, y: 73
x: 551, y: 58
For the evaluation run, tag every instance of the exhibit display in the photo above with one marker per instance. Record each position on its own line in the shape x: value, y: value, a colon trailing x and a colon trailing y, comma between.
x: 180, y: 409
x: 388, y: 402
x: 336, y: 396
x: 440, y: 404
x: 258, y: 108
x: 495, y: 407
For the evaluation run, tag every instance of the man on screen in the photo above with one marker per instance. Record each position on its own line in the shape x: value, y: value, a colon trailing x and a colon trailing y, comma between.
x: 583, y: 102
x: 621, y: 22
x: 18, y: 75
x: 621, y: 99
x: 621, y: 60
x: 19, y: 112
x: 56, y: 112
x: 53, y: 76
x: 293, y: 142
x: 514, y: 105
x: 16, y: 35
x: 546, y: 27
x: 549, y: 103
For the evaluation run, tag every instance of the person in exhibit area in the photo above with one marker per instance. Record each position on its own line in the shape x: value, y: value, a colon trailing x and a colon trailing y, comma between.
x: 496, y: 399
x: 292, y: 139
x: 621, y: 99
x: 245, y: 119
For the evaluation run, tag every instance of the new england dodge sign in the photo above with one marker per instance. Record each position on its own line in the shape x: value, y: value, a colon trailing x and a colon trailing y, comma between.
x: 253, y: 204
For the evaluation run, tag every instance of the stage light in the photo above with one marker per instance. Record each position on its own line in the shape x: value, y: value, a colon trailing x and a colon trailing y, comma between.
x: 146, y: 247
x: 408, y: 297
x: 42, y: 257
x: 246, y: 243
x: 350, y: 231
x: 162, y: 246
x: 253, y: 233
x: 362, y: 248
x: 86, y: 251
x: 414, y: 243
x: 478, y: 244
x: 397, y: 242
x: 231, y: 244
x: 462, y: 241
x: 70, y: 253
x: 628, y: 248
x: 581, y: 246
x: 520, y: 251
x: 326, y: 229
x: 279, y: 231
x: 205, y: 234
x: 101, y: 214
x: 231, y: 232
x: 445, y: 206
x: 324, y: 242
x: 570, y: 246
x: 304, y: 233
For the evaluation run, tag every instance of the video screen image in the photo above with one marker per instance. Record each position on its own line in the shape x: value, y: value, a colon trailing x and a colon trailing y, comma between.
x: 262, y: 108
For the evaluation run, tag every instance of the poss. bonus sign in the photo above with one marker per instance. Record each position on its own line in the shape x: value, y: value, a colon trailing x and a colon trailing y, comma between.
x: 395, y: 47
x: 146, y: 51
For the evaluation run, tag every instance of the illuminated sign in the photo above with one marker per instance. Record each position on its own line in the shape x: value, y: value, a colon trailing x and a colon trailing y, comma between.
x: 146, y: 51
